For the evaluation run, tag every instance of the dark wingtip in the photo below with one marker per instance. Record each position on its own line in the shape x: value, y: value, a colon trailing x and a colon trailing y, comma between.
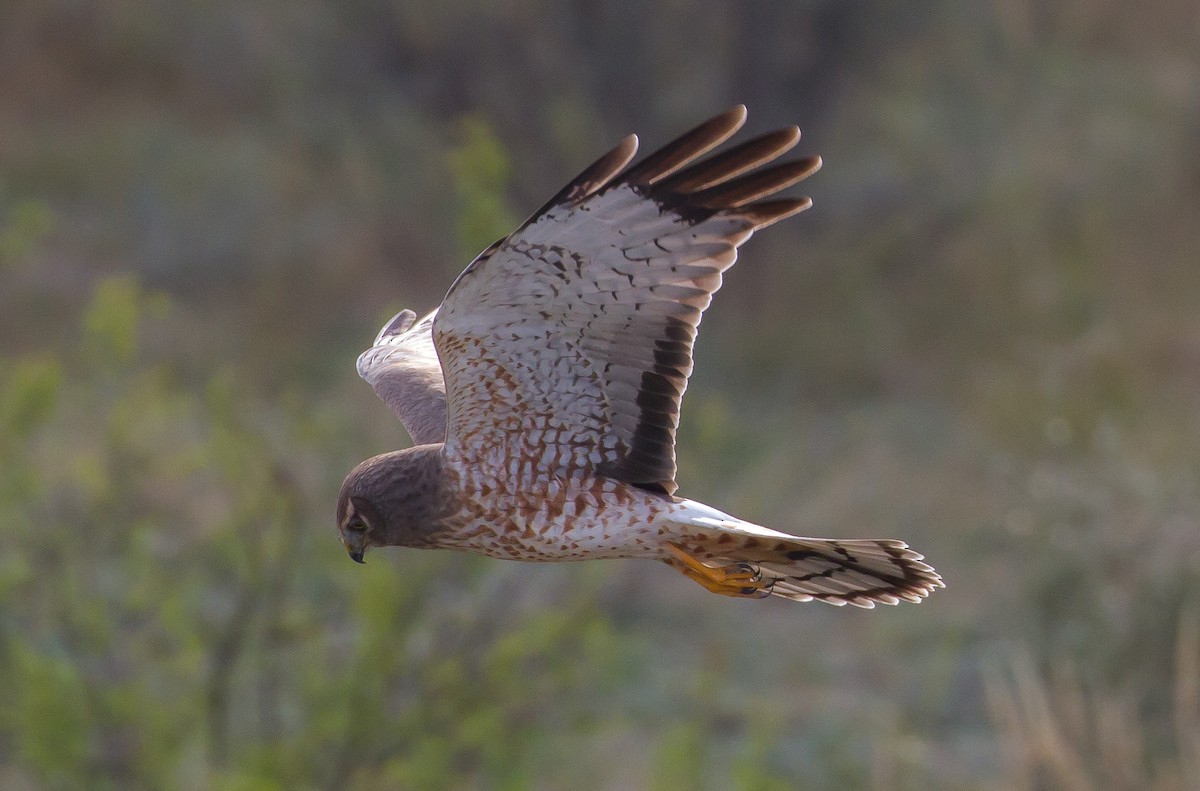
x: 734, y: 162
x: 758, y: 184
x: 686, y: 147
x: 595, y: 176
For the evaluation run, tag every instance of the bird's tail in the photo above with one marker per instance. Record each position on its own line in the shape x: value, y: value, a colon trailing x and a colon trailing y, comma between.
x: 861, y: 572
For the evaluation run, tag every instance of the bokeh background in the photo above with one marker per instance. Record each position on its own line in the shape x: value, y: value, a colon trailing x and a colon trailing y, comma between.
x: 984, y: 338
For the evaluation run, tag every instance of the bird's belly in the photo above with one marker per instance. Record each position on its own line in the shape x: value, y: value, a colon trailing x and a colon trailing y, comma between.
x: 565, y: 519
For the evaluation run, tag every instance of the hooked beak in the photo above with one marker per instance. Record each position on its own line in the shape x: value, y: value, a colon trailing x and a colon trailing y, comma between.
x: 355, y: 550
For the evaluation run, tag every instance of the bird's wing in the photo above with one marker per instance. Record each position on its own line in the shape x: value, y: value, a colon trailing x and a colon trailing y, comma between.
x: 568, y: 345
x: 402, y: 366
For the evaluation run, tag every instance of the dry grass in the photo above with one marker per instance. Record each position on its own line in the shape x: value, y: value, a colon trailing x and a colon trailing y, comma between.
x: 1059, y: 732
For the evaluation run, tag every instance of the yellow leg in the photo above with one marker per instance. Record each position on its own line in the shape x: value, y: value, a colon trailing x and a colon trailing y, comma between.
x: 737, y: 579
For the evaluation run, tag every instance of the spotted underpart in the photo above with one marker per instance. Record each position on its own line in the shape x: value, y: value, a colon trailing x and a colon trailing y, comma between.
x: 545, y: 390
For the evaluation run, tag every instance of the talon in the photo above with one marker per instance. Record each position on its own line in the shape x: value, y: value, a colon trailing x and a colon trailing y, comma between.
x: 753, y: 572
x: 757, y: 593
x: 742, y: 580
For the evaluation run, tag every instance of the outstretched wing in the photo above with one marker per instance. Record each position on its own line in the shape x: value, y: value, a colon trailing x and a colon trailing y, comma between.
x: 402, y: 366
x: 568, y: 345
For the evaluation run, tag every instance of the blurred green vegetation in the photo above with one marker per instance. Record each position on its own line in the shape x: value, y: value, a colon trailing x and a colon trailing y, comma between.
x: 983, y: 339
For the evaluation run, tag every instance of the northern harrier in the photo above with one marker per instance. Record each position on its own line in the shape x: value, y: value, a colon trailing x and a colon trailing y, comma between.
x: 543, y: 395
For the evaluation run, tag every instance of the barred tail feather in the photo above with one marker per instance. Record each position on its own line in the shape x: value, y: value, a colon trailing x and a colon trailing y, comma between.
x: 861, y: 572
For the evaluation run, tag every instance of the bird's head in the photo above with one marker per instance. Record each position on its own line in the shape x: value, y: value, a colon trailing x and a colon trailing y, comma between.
x: 391, y: 500
x: 359, y: 521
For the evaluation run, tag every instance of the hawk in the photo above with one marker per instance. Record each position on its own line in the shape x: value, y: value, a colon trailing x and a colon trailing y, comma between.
x: 543, y: 394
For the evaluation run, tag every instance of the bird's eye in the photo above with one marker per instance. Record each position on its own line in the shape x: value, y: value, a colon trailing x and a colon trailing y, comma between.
x: 356, y: 526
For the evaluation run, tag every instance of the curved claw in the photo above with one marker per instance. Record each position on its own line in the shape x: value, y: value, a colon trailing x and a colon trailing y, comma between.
x: 757, y: 592
x: 754, y: 572
x: 742, y: 580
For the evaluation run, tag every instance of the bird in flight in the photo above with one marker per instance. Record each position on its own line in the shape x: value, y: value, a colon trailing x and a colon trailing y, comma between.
x: 543, y: 394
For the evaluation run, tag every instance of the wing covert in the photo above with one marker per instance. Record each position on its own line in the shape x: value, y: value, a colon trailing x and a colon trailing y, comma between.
x: 573, y: 337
